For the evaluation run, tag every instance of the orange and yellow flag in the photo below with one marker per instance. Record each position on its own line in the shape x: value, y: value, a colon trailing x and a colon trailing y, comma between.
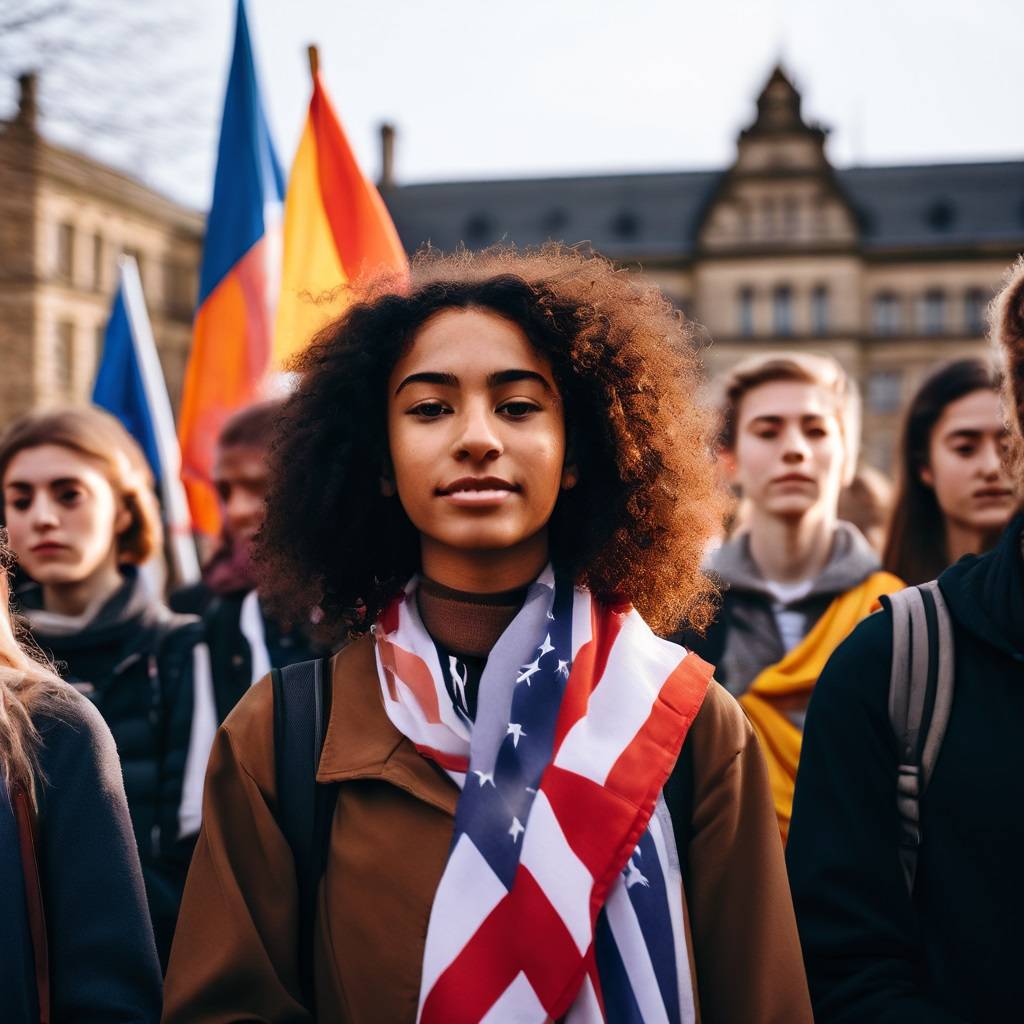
x: 336, y: 230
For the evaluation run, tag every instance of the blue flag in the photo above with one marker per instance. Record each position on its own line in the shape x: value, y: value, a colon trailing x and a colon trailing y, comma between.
x: 130, y: 384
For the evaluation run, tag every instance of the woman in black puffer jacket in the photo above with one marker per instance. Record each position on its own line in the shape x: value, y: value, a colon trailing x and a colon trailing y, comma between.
x: 81, y: 513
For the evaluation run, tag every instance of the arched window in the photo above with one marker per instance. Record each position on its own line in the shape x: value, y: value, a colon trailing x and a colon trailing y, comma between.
x: 819, y: 309
x: 745, y: 311
x: 782, y: 310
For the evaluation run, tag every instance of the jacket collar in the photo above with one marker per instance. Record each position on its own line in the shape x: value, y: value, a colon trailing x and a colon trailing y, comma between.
x: 361, y: 742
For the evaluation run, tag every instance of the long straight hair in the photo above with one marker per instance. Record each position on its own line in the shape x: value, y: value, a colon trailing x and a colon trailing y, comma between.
x: 28, y: 689
x: 915, y: 549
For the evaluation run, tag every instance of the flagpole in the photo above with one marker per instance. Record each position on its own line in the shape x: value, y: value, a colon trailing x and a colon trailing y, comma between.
x: 314, y: 61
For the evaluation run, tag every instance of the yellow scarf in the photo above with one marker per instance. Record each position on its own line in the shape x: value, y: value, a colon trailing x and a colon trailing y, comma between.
x: 788, y: 684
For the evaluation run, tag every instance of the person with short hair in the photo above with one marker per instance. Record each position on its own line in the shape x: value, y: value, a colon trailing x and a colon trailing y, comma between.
x: 76, y: 942
x: 913, y: 915
x: 954, y: 495
x: 867, y: 503
x: 490, y: 476
x: 245, y: 638
x: 796, y: 578
x: 81, y: 514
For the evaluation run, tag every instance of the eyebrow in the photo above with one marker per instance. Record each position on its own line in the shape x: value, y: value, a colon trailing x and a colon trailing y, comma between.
x: 25, y: 485
x: 494, y: 380
x: 776, y: 420
x: 966, y: 433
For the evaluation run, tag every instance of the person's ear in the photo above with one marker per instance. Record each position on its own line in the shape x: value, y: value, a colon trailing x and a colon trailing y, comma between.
x: 570, y: 477
x: 926, y: 476
x: 123, y: 520
x: 728, y: 467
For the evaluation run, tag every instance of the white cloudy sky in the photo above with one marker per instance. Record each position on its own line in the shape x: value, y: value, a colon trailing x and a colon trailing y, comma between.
x: 492, y: 88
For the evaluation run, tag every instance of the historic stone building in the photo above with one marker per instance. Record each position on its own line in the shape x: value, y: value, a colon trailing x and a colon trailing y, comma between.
x: 888, y: 268
x: 64, y: 220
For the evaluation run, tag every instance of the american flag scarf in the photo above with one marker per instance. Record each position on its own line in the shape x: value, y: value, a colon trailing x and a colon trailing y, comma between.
x: 562, y: 894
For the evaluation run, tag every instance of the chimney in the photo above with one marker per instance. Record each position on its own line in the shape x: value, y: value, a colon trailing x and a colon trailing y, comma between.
x: 28, y: 105
x: 387, y: 156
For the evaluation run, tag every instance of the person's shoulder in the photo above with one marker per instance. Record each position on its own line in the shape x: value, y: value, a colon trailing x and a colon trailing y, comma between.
x: 191, y: 599
x: 862, y: 654
x: 73, y: 735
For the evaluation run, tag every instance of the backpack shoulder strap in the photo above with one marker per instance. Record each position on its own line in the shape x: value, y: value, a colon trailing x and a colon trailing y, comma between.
x: 302, y: 696
x: 26, y: 822
x: 920, y: 700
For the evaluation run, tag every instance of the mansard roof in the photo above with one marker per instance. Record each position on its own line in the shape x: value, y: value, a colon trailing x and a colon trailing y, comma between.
x: 655, y: 216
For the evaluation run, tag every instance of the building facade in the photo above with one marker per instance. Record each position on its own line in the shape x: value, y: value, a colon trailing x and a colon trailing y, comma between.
x: 889, y: 269
x: 64, y: 221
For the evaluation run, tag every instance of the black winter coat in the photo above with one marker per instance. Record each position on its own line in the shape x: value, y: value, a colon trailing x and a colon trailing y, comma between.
x: 953, y: 952
x: 103, y: 962
x: 134, y: 661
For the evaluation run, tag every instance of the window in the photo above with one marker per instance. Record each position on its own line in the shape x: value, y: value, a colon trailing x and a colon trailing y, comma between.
x: 744, y: 218
x: 178, y: 291
x: 65, y: 260
x: 769, y: 227
x: 975, y: 302
x: 932, y: 312
x: 64, y: 342
x: 885, y: 391
x: 887, y: 314
x: 819, y: 310
x: 790, y: 216
x: 782, y: 309
x: 745, y: 308
x: 97, y: 262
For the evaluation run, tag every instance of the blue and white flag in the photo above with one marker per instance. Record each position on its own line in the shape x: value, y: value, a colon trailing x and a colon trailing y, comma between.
x: 130, y: 384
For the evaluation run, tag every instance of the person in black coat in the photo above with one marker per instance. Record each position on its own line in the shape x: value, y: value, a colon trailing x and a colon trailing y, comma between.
x: 245, y: 639
x: 81, y: 514
x: 950, y: 951
x: 69, y: 870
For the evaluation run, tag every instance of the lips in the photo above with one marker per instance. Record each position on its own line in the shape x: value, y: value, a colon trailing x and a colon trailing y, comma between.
x: 477, y: 484
x: 48, y: 548
x: 793, y: 478
x: 991, y: 493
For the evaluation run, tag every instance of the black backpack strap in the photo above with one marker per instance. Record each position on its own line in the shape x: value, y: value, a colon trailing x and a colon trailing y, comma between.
x: 920, y: 700
x: 678, y: 793
x: 302, y: 699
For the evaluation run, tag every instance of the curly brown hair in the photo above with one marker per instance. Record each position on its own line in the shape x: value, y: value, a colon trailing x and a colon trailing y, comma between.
x: 636, y: 525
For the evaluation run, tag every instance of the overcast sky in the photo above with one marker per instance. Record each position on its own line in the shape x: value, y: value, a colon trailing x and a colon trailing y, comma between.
x: 490, y: 88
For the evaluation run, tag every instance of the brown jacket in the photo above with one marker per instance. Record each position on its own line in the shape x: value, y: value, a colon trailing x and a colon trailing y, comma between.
x: 235, y: 950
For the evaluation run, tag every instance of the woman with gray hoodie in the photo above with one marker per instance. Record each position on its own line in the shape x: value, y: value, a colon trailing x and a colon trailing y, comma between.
x: 795, y: 578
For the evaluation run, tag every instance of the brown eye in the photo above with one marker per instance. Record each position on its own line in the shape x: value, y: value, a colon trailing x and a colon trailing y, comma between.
x: 518, y: 410
x: 428, y: 410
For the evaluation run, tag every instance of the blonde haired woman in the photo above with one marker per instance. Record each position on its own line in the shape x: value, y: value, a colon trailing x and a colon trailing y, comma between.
x: 75, y: 939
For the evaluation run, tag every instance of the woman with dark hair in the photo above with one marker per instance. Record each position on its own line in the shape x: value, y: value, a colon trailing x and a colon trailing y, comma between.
x: 954, y: 496
x: 907, y: 881
x: 485, y: 477
x: 82, y: 515
x: 75, y: 939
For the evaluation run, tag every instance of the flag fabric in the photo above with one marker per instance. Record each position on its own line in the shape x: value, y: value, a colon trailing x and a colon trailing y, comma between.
x: 336, y: 229
x: 130, y: 384
x: 562, y: 895
x: 239, y: 281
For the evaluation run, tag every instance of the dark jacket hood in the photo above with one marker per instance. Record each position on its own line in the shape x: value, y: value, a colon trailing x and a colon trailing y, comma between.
x: 985, y: 593
x: 851, y: 562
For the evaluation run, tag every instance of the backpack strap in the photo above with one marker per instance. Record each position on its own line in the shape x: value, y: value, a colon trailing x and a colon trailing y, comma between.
x: 27, y: 823
x: 920, y: 700
x: 302, y: 701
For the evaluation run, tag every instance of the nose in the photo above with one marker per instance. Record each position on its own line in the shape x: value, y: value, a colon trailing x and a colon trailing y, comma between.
x: 795, y: 448
x: 991, y: 465
x: 476, y: 439
x: 43, y: 513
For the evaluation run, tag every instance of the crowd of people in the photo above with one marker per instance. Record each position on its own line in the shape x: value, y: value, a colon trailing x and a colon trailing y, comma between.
x: 522, y: 685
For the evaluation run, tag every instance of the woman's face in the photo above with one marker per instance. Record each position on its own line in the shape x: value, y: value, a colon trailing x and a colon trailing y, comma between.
x: 62, y: 514
x: 964, y: 463
x: 789, y: 455
x: 477, y: 436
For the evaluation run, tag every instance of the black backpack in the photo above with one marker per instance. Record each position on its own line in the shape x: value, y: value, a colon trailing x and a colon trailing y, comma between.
x: 921, y: 686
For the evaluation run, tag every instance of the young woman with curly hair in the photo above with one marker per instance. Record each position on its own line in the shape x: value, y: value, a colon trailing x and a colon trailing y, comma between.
x: 485, y: 477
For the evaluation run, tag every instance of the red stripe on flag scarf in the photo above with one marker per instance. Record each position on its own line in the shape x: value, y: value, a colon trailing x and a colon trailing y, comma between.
x: 412, y: 670
x: 522, y: 933
x: 449, y: 762
x: 588, y: 666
